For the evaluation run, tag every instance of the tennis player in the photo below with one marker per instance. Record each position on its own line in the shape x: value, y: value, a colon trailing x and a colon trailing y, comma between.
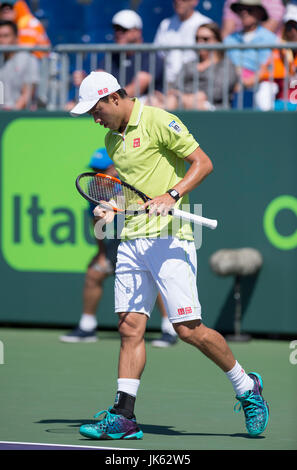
x: 149, y: 148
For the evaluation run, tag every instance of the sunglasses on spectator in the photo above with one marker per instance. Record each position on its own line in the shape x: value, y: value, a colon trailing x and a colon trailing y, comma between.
x: 204, y: 38
x: 250, y: 10
x: 290, y: 26
x: 120, y: 29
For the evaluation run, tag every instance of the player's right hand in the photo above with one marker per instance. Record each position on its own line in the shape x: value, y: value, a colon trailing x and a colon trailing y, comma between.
x: 102, y: 213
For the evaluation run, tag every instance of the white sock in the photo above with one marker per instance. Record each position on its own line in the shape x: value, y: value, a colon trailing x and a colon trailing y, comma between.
x: 240, y: 380
x: 129, y: 386
x: 88, y: 322
x: 167, y: 327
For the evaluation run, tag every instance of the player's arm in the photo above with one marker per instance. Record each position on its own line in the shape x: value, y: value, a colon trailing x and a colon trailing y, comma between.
x: 200, y: 167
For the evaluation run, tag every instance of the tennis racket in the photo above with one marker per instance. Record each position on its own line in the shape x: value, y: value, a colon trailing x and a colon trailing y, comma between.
x: 115, y: 195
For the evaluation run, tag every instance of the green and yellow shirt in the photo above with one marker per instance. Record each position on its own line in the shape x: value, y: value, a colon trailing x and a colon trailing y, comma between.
x: 149, y: 155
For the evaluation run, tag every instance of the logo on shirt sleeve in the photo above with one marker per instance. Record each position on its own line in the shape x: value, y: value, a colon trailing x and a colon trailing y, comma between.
x: 175, y: 127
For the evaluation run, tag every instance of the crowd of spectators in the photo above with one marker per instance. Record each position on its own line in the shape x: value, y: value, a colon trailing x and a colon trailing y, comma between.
x: 20, y: 70
x: 201, y: 79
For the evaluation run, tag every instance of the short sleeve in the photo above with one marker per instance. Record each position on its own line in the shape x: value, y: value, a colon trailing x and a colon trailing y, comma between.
x: 174, y: 135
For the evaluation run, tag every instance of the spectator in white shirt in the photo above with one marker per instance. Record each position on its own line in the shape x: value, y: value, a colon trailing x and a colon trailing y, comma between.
x: 19, y: 72
x: 179, y: 30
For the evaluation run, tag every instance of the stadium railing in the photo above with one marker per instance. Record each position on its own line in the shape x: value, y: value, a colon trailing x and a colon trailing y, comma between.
x: 56, y: 87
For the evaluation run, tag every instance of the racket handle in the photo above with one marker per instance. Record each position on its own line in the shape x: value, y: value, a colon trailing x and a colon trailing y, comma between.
x: 196, y: 219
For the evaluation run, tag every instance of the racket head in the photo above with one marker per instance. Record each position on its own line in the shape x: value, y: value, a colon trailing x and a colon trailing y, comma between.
x: 110, y: 193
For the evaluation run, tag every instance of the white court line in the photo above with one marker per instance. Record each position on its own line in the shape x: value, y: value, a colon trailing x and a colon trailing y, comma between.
x: 64, y: 445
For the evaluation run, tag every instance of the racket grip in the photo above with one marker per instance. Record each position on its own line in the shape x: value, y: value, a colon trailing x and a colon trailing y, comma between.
x: 196, y: 219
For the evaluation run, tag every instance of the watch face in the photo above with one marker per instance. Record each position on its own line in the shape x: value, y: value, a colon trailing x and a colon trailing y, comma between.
x: 173, y: 193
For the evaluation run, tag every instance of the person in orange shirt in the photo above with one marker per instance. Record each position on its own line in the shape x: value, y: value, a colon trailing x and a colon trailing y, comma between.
x: 283, y: 65
x: 31, y: 32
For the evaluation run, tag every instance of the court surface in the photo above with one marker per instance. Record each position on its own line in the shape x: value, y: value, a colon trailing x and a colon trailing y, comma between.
x: 48, y: 389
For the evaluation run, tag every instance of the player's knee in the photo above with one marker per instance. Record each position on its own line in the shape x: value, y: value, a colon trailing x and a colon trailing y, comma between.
x: 184, y: 333
x: 94, y: 278
x: 129, y: 327
x: 190, y: 332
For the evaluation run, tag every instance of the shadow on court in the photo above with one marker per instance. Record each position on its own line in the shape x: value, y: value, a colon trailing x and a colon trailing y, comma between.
x: 74, y: 424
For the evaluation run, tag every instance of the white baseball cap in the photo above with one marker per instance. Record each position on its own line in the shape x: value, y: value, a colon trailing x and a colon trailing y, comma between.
x: 94, y: 87
x: 128, y: 19
x: 290, y: 14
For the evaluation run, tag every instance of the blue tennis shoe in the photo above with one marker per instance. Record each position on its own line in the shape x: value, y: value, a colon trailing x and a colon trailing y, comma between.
x: 254, y: 406
x: 112, y: 426
x: 79, y: 336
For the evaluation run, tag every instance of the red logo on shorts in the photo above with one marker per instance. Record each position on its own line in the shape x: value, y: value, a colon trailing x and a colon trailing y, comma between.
x: 102, y: 91
x: 184, y: 311
x: 136, y: 143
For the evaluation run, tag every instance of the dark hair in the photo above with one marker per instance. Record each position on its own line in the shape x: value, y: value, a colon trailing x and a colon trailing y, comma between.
x: 121, y: 92
x: 215, y: 29
x: 11, y: 24
x: 6, y: 4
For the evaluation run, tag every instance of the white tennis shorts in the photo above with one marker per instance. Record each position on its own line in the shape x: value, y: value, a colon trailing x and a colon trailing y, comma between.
x: 148, y: 265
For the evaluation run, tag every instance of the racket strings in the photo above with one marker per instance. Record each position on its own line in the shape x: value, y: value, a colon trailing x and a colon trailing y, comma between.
x: 115, y: 194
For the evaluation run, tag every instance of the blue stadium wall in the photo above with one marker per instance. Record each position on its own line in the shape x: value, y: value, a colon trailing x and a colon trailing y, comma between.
x: 89, y: 21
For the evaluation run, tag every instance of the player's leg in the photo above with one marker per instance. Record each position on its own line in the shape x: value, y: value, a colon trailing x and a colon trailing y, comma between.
x: 175, y: 272
x: 132, y: 351
x: 135, y: 296
x: 208, y: 341
x: 247, y: 387
x: 92, y: 293
x: 168, y: 333
x: 93, y: 290
x: 120, y: 421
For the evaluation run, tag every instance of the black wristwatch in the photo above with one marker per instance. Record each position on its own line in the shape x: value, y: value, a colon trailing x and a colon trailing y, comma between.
x: 173, y: 193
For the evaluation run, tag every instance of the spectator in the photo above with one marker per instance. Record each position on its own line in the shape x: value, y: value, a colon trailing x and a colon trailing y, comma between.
x: 20, y: 72
x: 212, y: 76
x: 127, y: 27
x: 249, y: 61
x: 179, y: 30
x: 282, y: 66
x: 30, y: 30
x: 275, y: 10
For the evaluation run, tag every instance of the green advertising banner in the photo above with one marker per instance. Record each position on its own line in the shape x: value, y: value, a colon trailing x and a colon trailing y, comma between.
x: 47, y: 237
x: 47, y: 224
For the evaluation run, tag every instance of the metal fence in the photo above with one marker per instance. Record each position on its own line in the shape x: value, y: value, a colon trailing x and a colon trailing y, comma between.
x: 188, y: 86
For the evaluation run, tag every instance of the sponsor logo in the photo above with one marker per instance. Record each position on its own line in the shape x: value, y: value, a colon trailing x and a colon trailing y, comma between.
x: 285, y: 202
x: 102, y: 91
x: 117, y: 398
x: 174, y: 126
x: 184, y: 311
x: 45, y: 225
x: 136, y: 143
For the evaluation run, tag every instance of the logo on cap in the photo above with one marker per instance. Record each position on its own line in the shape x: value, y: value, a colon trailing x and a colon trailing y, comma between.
x: 102, y: 91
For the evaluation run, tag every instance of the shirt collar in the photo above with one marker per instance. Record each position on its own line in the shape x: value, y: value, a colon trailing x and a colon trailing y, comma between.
x: 136, y: 113
x: 257, y: 32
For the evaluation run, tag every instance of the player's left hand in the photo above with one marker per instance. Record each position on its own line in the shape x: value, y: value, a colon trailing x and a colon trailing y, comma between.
x: 101, y: 213
x: 160, y: 205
